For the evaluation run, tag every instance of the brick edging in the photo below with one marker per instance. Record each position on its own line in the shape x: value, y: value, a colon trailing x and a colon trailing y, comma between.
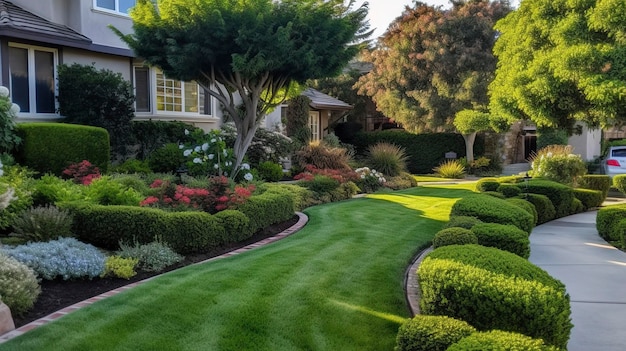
x: 411, y: 285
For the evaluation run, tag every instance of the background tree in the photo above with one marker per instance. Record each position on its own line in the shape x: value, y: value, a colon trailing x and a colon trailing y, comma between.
x: 562, y: 61
x: 298, y: 119
x: 432, y: 63
x: 254, y: 48
x: 471, y: 122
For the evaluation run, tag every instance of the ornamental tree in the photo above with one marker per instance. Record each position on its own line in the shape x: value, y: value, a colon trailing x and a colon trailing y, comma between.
x: 248, y: 52
x: 432, y: 63
x: 560, y: 61
x: 471, y: 122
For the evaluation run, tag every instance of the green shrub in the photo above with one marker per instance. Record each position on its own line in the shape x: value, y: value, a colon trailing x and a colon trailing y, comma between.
x: 493, y: 210
x: 270, y: 171
x: 560, y: 195
x: 500, y: 340
x: 487, y: 300
x: 297, y: 124
x: 116, y: 266
x: 462, y: 222
x: 42, y: 224
x: 509, y: 190
x: 267, y: 209
x: 49, y: 190
x: 18, y: 179
x: 557, y: 163
x: 389, y: 159
x: 188, y: 232
x: 132, y: 181
x: 132, y: 166
x: 551, y: 137
x: 620, y: 229
x: 596, y: 182
x: 8, y: 113
x: 151, y: 257
x: 236, y: 225
x: 543, y: 206
x: 607, y: 221
x: 19, y: 288
x: 504, y: 237
x: 454, y: 236
x: 431, y: 333
x: 320, y: 184
x: 589, y: 198
x: 106, y: 191
x: 166, y: 159
x: 322, y: 156
x: 426, y: 150
x: 151, y: 135
x: 526, y: 206
x: 51, y: 147
x: 494, y: 194
x: 403, y: 181
x: 302, y: 197
x: 450, y: 169
x: 619, y: 183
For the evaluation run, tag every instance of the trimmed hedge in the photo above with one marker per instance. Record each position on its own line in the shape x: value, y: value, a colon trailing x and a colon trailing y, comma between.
x: 487, y: 184
x: 267, y: 209
x: 544, y: 207
x: 607, y: 222
x: 51, y: 147
x: 236, y: 225
x: 526, y: 206
x: 560, y: 195
x: 509, y: 190
x: 589, y: 198
x: 577, y: 206
x: 493, y: 210
x: 504, y: 237
x: 500, y: 340
x: 454, y: 236
x: 487, y: 300
x: 302, y: 197
x: 462, y: 222
x: 495, y: 194
x: 596, y: 182
x: 431, y: 333
x: 426, y: 151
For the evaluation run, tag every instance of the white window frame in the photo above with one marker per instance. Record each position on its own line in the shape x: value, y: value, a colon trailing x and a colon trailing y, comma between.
x: 32, y: 79
x: 314, y: 125
x: 115, y: 11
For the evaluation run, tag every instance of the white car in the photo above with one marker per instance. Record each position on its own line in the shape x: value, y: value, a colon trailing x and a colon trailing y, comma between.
x: 615, y: 161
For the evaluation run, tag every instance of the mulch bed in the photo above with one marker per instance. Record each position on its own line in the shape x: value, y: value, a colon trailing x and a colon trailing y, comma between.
x: 57, y: 294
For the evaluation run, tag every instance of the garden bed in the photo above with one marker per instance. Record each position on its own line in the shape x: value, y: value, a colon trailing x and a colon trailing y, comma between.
x: 57, y: 294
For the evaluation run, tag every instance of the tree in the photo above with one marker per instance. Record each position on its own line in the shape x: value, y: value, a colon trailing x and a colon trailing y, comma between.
x: 471, y: 122
x: 432, y: 63
x: 258, y: 49
x: 562, y: 61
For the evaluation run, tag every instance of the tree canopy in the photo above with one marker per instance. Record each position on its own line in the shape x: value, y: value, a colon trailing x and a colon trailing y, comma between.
x: 560, y: 61
x: 258, y: 49
x: 432, y: 63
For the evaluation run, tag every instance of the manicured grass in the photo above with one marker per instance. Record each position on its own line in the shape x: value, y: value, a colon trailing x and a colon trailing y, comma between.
x: 335, y: 285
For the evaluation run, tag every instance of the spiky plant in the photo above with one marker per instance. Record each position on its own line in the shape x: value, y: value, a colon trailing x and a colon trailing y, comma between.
x: 387, y: 158
x: 450, y: 169
x: 43, y: 224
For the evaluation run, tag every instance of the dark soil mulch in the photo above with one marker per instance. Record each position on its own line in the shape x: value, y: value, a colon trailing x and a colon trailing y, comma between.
x: 57, y: 294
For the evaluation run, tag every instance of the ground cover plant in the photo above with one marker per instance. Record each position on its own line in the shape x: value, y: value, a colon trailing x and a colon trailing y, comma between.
x: 345, y: 268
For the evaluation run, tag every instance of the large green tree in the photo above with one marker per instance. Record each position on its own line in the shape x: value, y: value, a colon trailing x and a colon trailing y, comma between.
x: 247, y: 51
x: 560, y: 61
x: 432, y: 63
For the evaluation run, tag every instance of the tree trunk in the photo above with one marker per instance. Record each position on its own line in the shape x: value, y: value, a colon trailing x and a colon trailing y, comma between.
x: 469, y: 146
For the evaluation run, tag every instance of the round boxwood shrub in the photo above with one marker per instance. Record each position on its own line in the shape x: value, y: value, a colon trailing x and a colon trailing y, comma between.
x: 500, y: 340
x: 270, y: 171
x: 431, y: 333
x: 509, y: 190
x: 504, y: 237
x: 494, y: 210
x: 487, y: 184
x: 454, y: 236
x: 560, y: 195
x: 18, y: 285
x: 589, y: 198
x: 462, y: 222
x: 596, y: 182
x: 607, y: 221
x: 544, y: 207
x: 526, y: 206
x: 166, y: 159
x: 576, y: 206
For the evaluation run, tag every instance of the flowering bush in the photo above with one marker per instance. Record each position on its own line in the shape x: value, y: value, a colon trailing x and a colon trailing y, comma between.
x: 8, y: 113
x: 82, y: 172
x: 340, y: 175
x: 559, y: 167
x: 217, y: 197
x: 369, y: 180
x: 65, y: 257
x: 18, y: 285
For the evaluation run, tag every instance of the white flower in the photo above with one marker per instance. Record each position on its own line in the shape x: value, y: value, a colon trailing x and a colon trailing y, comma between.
x: 15, y: 109
x: 245, y: 166
x: 186, y: 132
x: 205, y: 146
x: 181, y: 146
x: 225, y: 152
x: 213, y: 140
x: 4, y: 91
x: 197, y: 160
x: 187, y: 152
x: 362, y: 176
x: 197, y: 149
x: 248, y: 176
x: 211, y: 156
x: 216, y: 166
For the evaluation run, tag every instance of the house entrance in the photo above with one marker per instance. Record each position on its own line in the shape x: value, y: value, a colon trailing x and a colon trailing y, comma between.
x: 530, y: 145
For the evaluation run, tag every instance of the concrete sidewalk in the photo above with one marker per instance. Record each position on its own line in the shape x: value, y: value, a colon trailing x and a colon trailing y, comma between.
x: 594, y: 274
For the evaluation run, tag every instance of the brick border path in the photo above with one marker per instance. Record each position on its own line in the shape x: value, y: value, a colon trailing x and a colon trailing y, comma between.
x: 302, y: 220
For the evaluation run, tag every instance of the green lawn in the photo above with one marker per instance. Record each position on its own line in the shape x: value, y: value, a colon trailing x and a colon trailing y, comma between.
x: 335, y: 285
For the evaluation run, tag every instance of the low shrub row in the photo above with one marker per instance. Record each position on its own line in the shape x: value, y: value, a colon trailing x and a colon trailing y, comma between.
x: 493, y: 210
x: 611, y: 223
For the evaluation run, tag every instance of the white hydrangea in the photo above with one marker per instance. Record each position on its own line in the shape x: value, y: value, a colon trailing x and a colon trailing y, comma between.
x: 211, y: 156
x: 248, y: 176
x: 15, y: 109
x: 197, y: 160
x: 4, y: 91
x: 205, y: 146
x: 187, y: 152
x: 197, y: 149
x: 245, y: 166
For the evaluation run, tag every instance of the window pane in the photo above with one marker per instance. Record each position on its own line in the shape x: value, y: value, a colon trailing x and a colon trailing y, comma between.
x: 126, y: 5
x: 142, y: 89
x: 106, y: 4
x: 191, y: 97
x: 44, y: 84
x: 18, y: 67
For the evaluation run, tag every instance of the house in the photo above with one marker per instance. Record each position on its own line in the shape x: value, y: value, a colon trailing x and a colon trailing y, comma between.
x: 36, y: 36
x: 324, y: 111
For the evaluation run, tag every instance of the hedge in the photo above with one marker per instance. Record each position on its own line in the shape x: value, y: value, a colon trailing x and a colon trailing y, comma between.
x: 504, y: 237
x: 302, y: 197
x: 236, y: 225
x: 500, y: 340
x: 51, y: 147
x: 487, y: 184
x: 488, y: 300
x: 526, y: 206
x: 454, y: 236
x: 431, y: 333
x: 509, y: 190
x: 426, y: 151
x: 607, y: 222
x: 596, y: 182
x: 462, y: 222
x: 589, y: 198
x: 493, y: 210
x: 544, y: 207
x: 560, y: 195
x: 267, y: 209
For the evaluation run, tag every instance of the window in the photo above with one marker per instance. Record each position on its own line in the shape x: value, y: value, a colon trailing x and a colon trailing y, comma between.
x: 142, y: 89
x: 314, y: 124
x: 120, y: 6
x: 32, y: 78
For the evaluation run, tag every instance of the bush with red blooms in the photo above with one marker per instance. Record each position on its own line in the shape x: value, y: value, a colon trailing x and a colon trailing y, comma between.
x: 218, y: 197
x: 340, y: 175
x: 82, y: 172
